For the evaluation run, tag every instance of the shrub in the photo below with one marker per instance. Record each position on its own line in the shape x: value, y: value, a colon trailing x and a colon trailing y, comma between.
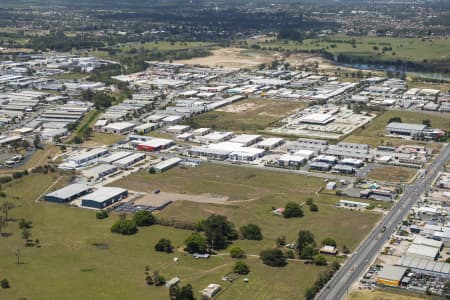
x: 281, y: 241
x: 251, y: 232
x: 4, y: 283
x: 290, y: 254
x: 313, y: 207
x: 241, y: 268
x: 158, y: 279
x: 273, y: 257
x: 5, y: 179
x: 345, y: 249
x: 236, y: 252
x: 196, y: 243
x: 144, y: 218
x: 293, y: 210
x: 320, y: 260
x: 164, y: 245
x: 103, y: 214
x: 309, y: 201
x: 125, y: 227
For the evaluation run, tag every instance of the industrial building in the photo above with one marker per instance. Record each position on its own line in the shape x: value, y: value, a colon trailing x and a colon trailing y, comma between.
x: 83, y: 158
x: 391, y: 275
x: 178, y: 129
x: 145, y: 128
x: 270, y: 143
x: 423, y: 251
x: 68, y: 193
x: 216, y: 137
x: 114, y: 157
x: 103, y: 197
x: 128, y: 161
x: 167, y: 164
x: 405, y: 129
x: 246, y: 139
x: 319, y: 166
x: 224, y: 150
x: 290, y: 160
x: 119, y: 128
x: 155, y: 144
x: 426, y: 266
x: 99, y: 171
x: 317, y: 119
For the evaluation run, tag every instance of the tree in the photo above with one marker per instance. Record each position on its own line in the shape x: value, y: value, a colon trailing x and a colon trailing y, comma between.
x: 345, y: 249
x: 309, y: 201
x: 251, y: 232
x: 26, y: 234
x: 187, y: 293
x: 25, y: 224
x: 281, y: 241
x: 196, y: 243
x: 320, y: 260
x: 158, y: 279
x: 313, y: 207
x: 292, y: 210
x: 219, y: 231
x: 164, y: 245
x: 174, y: 292
x: 241, y: 268
x: 4, y: 283
x: 426, y: 122
x: 290, y: 254
x: 305, y: 237
x: 152, y: 170
x: 307, y: 252
x: 103, y: 214
x: 6, y: 207
x: 310, y: 293
x: 273, y: 257
x: 149, y: 280
x: 237, y: 252
x: 144, y: 218
x: 395, y: 119
x: 124, y: 226
x: 328, y: 242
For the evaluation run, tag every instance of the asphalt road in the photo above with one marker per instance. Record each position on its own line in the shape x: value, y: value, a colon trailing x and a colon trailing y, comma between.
x: 340, y: 285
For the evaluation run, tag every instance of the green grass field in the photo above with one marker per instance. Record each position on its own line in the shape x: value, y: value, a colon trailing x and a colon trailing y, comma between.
x: 258, y: 191
x: 392, y: 174
x: 373, y: 133
x: 371, y: 48
x: 71, y: 265
x: 252, y: 115
x: 387, y: 295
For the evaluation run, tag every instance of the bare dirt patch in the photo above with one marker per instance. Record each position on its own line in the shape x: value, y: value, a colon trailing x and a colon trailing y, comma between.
x: 163, y: 197
x: 232, y: 58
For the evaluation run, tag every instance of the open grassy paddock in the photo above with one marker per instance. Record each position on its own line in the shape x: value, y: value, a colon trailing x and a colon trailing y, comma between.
x: 371, y: 48
x: 80, y: 258
x: 373, y: 133
x: 251, y: 115
x: 392, y: 173
x: 252, y: 194
x: 386, y: 295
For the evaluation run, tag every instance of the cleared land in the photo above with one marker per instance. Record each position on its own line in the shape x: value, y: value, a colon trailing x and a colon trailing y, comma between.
x: 385, y: 295
x: 80, y: 258
x: 233, y: 58
x: 253, y: 193
x: 371, y: 48
x: 103, y: 139
x: 250, y: 115
x: 392, y: 174
x: 373, y: 133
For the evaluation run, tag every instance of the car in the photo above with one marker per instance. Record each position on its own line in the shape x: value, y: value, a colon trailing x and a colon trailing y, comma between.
x: 156, y: 191
x: 383, y: 229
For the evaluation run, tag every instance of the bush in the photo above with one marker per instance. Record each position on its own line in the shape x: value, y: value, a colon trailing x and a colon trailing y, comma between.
x: 158, y: 279
x: 293, y: 210
x: 144, y: 218
x: 320, y: 260
x: 329, y: 242
x: 125, y: 227
x: 345, y: 249
x: 236, y: 252
x: 273, y: 257
x: 5, y: 179
x: 164, y: 245
x: 241, y: 268
x: 281, y: 241
x: 309, y: 201
x: 196, y: 243
x: 4, y: 283
x: 313, y: 207
x: 103, y: 214
x: 290, y: 254
x: 251, y: 232
x: 149, y: 280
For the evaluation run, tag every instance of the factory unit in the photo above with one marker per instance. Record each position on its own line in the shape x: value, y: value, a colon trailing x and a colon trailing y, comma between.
x: 201, y: 131
x: 391, y: 275
x: 114, y: 157
x: 216, y: 137
x: 84, y: 158
x: 155, y: 144
x: 326, y: 159
x: 224, y: 150
x: 270, y: 143
x: 145, y: 128
x: 103, y: 197
x: 289, y: 160
x: 344, y: 169
x: 99, y: 171
x: 128, y: 161
x: 119, y: 127
x: 320, y: 166
x: 405, y: 129
x: 68, y: 193
x: 178, y: 129
x: 246, y: 139
x: 426, y: 266
x: 167, y: 164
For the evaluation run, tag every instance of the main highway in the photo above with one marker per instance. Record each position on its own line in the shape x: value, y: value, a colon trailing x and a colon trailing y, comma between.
x: 341, y: 283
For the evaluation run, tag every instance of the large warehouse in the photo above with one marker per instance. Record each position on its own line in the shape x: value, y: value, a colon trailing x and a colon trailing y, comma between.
x: 103, y: 197
x: 68, y: 193
x: 405, y: 129
x: 155, y: 144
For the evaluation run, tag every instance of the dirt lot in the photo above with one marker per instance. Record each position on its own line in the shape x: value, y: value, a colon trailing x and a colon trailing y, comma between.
x: 233, y: 58
x: 163, y: 197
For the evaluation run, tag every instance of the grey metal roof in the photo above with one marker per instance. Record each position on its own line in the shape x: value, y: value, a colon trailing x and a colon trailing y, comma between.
x: 103, y: 194
x: 405, y: 126
x: 425, y: 265
x: 69, y: 191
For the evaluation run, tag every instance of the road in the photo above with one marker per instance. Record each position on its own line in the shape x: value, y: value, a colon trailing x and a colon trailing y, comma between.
x: 340, y: 285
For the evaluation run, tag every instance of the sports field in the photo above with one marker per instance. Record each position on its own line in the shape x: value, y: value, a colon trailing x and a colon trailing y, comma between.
x: 251, y: 115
